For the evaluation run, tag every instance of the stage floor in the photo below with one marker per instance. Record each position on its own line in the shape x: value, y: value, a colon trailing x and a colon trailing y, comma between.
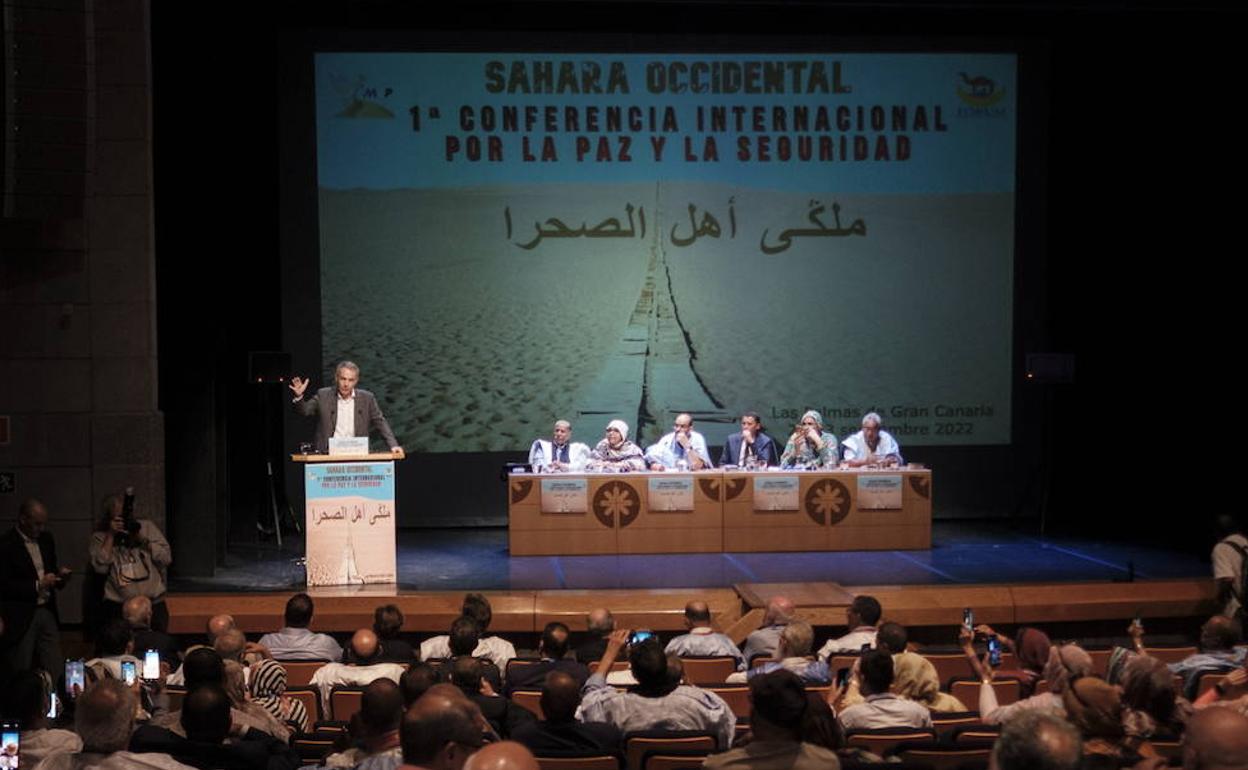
x: 962, y: 553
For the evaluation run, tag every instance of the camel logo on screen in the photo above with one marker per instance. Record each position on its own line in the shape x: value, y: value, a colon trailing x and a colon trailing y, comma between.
x: 359, y: 99
x: 616, y: 499
x: 827, y: 500
x: 979, y: 90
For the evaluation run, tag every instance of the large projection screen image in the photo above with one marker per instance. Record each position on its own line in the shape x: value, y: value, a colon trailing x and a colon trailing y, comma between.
x: 511, y: 239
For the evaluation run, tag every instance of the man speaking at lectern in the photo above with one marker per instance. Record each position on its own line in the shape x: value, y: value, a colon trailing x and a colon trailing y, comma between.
x: 342, y: 412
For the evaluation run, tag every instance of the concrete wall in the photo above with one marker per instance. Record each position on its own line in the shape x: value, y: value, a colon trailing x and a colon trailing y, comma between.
x: 77, y: 272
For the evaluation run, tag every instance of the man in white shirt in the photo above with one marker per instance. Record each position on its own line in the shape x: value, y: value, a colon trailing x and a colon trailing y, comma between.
x: 870, y: 446
x: 682, y: 449
x: 561, y: 453
x: 882, y: 708
x: 296, y: 641
x: 477, y: 607
x: 863, y: 617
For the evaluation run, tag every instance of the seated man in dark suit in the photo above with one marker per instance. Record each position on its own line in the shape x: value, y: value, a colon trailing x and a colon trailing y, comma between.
x: 599, y: 623
x: 561, y: 733
x: 553, y: 651
x: 751, y: 444
x: 503, y: 715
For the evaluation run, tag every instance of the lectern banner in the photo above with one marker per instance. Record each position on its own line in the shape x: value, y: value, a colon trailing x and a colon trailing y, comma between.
x: 350, y: 523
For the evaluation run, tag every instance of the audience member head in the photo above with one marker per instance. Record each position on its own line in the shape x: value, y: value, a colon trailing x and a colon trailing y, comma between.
x: 231, y: 644
x: 502, y: 755
x: 1037, y: 740
x: 561, y: 696
x: 1148, y: 686
x: 217, y: 625
x: 381, y: 707
x: 1227, y: 524
x: 1219, y: 633
x: 466, y: 674
x: 416, y: 680
x: 648, y: 662
x: 439, y: 731
x: 555, y: 640
x: 1031, y: 645
x: 206, y: 714
x: 477, y: 607
x: 465, y: 635
x: 1094, y: 707
x: 1216, y: 739
x: 387, y: 621
x: 364, y: 647
x: 892, y: 637
x: 32, y: 518
x: 299, y: 610
x: 268, y: 679
x: 915, y: 677
x: 203, y: 666
x: 863, y: 611
x: 1066, y: 663
x: 114, y: 639
x: 796, y: 639
x: 780, y: 610
x: 779, y: 706
x: 697, y: 614
x: 235, y: 683
x: 104, y: 717
x: 600, y: 622
x: 875, y: 672
x: 26, y: 699
x: 137, y: 611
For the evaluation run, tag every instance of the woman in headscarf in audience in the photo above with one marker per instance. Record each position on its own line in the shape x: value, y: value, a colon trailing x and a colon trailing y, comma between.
x: 810, y: 446
x: 236, y: 688
x: 1151, y: 704
x: 268, y: 690
x: 915, y: 677
x: 1095, y: 707
x: 615, y: 452
x: 1065, y: 663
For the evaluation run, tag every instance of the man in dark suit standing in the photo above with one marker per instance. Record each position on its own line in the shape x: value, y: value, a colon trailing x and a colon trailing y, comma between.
x: 751, y: 442
x: 343, y: 412
x: 30, y: 578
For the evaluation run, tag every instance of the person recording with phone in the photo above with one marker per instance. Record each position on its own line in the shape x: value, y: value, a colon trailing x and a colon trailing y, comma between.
x: 134, y: 554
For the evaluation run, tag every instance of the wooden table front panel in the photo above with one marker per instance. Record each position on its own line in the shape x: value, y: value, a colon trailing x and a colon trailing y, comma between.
x: 909, y: 528
x: 533, y: 533
x: 698, y: 531
x: 746, y: 529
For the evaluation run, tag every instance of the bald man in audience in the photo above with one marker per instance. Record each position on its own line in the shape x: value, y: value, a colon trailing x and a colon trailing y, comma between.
x: 1037, y: 740
x: 766, y: 639
x: 599, y: 623
x: 137, y: 612
x: 440, y: 731
x: 504, y: 755
x: 1216, y: 739
x: 702, y: 640
x: 363, y: 668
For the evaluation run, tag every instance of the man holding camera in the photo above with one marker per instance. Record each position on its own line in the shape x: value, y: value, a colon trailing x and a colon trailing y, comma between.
x: 29, y: 580
x: 134, y: 554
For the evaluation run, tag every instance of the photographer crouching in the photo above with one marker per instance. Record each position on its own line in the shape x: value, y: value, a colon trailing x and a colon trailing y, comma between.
x: 134, y: 555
